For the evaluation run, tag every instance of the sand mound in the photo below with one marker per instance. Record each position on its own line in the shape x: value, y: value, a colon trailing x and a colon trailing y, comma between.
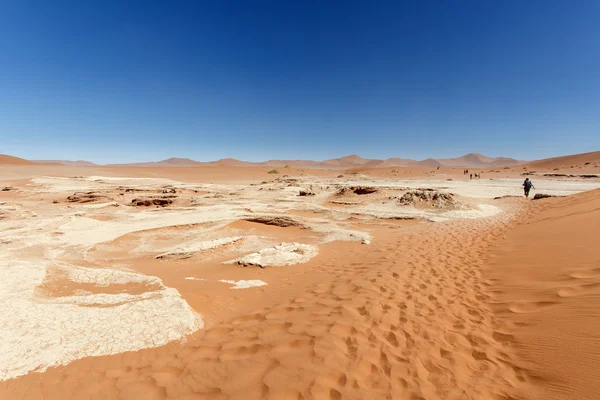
x: 284, y: 254
x: 10, y: 160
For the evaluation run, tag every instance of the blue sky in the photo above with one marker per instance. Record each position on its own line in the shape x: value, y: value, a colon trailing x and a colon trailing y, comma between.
x: 125, y: 81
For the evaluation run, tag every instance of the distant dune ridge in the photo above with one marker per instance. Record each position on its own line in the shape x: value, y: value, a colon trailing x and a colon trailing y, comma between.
x: 78, y: 163
x: 472, y: 160
x: 10, y: 160
x: 592, y: 158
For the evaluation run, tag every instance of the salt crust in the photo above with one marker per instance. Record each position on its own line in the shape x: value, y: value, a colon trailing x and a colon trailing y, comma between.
x: 284, y: 254
x: 198, y: 246
x: 39, y: 332
x: 244, y: 284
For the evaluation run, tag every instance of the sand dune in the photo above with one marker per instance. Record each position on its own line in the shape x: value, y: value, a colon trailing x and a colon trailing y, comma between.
x: 547, y: 294
x: 78, y: 163
x: 10, y: 160
x: 476, y: 160
x: 472, y: 160
x: 576, y: 160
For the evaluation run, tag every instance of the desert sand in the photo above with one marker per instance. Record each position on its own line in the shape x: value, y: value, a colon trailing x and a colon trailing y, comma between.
x: 226, y: 282
x: 547, y: 291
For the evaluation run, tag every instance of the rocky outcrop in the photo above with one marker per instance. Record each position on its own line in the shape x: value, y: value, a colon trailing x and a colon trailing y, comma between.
x: 573, y: 175
x: 162, y: 202
x: 429, y: 197
x: 360, y: 190
x: 306, y: 192
x: 506, y: 197
x: 274, y: 220
x: 365, y: 190
x: 85, y: 197
x: 542, y: 196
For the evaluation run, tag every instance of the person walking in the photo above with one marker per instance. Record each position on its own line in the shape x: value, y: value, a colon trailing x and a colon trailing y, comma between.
x: 527, y: 185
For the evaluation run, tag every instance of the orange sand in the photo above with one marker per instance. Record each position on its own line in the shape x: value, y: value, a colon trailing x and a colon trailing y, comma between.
x: 547, y: 290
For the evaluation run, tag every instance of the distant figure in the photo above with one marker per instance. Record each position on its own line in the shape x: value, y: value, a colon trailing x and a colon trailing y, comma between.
x: 476, y: 176
x: 527, y: 185
x: 471, y: 176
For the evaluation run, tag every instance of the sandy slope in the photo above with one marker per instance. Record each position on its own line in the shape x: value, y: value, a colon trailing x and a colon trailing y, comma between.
x: 566, y: 161
x: 10, y: 160
x: 547, y: 289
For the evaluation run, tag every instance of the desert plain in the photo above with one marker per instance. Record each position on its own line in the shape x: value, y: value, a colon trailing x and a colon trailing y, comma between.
x: 248, y: 282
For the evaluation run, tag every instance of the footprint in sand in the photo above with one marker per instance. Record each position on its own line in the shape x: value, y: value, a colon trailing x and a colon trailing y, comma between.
x: 576, y: 290
x: 525, y: 308
x: 586, y: 273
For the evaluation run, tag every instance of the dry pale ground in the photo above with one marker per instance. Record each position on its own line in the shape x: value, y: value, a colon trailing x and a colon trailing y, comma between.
x: 386, y: 294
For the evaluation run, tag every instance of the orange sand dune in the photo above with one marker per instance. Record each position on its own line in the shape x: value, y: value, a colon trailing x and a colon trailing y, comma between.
x: 547, y: 289
x: 10, y: 160
x: 575, y: 160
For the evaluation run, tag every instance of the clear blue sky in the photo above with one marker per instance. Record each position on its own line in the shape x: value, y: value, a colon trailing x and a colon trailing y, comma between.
x: 120, y: 81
